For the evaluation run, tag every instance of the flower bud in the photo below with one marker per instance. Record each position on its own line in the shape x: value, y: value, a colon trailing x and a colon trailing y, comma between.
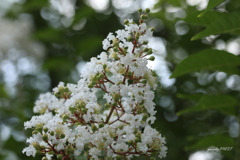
x: 36, y: 145
x: 140, y: 10
x: 152, y: 58
x: 130, y: 39
x: 101, y: 125
x: 144, y: 16
x: 145, y: 42
x: 147, y: 10
x: 51, y: 152
x: 126, y: 22
x: 94, y: 128
x: 115, y: 49
x: 52, y: 133
x: 62, y: 136
x: 45, y: 137
x: 104, y: 66
x: 45, y: 129
x: 44, y: 158
x: 145, y: 49
x: 59, y: 156
x: 65, y: 117
x: 149, y: 52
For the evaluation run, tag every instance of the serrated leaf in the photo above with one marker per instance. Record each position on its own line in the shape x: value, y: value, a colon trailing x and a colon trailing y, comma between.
x: 205, y: 20
x: 212, y: 140
x: 211, y: 4
x: 225, y: 23
x: 209, y: 59
x: 223, y: 103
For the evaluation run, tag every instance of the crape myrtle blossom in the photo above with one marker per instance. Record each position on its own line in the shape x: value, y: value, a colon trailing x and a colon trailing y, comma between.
x: 109, y: 112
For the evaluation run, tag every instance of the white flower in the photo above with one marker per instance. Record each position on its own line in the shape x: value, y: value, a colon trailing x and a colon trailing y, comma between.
x: 30, y: 151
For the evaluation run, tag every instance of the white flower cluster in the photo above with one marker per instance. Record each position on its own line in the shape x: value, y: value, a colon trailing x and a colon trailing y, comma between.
x: 108, y: 114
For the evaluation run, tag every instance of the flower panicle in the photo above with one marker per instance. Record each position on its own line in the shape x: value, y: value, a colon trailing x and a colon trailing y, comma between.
x: 109, y: 112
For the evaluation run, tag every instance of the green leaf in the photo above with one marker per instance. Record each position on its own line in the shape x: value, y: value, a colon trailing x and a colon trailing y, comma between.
x: 205, y: 20
x: 209, y: 59
x: 225, y: 23
x: 194, y: 97
x: 212, y: 140
x: 223, y: 103
x: 211, y: 4
x: 49, y: 35
x: 29, y: 6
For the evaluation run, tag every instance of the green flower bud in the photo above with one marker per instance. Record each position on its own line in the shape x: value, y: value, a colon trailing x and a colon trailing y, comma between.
x: 45, y: 129
x: 116, y: 97
x: 152, y: 29
x: 152, y: 58
x: 130, y: 142
x: 84, y: 110
x: 90, y: 85
x: 51, y: 152
x: 78, y: 123
x: 126, y: 22
x: 130, y: 39
x: 100, y: 76
x: 69, y: 149
x: 45, y: 137
x: 140, y: 10
x: 101, y: 125
x: 104, y: 66
x: 72, y: 110
x: 36, y: 145
x: 145, y: 49
x: 145, y: 117
x: 138, y: 139
x: 35, y: 132
x: 59, y: 156
x: 44, y: 158
x: 65, y: 117
x: 115, y: 49
x: 94, y: 128
x: 144, y: 16
x: 147, y: 10
x: 62, y: 136
x: 149, y: 51
x: 39, y: 127
x: 145, y: 42
x: 107, y: 105
x: 52, y: 133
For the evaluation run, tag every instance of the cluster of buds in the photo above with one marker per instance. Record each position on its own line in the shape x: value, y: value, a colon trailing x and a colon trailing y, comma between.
x: 108, y: 114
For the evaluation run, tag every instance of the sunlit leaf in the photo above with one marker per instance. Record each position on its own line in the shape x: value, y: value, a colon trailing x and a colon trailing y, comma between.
x: 205, y: 20
x: 224, y: 24
x: 212, y: 140
x: 211, y: 4
x: 222, y: 103
x: 208, y: 60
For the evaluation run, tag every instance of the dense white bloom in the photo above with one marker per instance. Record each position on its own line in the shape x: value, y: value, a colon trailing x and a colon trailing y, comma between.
x: 109, y: 112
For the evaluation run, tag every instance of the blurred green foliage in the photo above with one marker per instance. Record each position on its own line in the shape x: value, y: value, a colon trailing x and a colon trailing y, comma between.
x: 198, y: 111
